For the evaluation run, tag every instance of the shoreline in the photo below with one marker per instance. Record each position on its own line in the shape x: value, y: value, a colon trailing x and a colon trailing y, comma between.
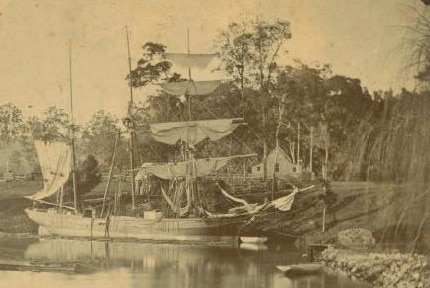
x: 380, y: 268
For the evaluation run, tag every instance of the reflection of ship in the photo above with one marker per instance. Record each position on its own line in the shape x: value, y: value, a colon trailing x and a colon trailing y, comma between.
x: 185, y: 213
x: 168, y: 265
x: 159, y: 265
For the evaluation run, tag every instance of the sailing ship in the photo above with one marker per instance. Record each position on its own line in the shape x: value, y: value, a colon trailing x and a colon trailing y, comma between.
x: 187, y: 217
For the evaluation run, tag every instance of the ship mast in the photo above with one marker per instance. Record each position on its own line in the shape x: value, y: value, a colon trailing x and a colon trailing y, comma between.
x: 189, y: 75
x: 72, y: 133
x: 130, y: 126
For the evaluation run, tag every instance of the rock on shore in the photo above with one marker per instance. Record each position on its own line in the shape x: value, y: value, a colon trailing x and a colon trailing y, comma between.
x: 381, y: 269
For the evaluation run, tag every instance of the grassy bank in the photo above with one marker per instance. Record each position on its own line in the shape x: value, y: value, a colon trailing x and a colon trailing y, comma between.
x: 378, y: 207
x: 12, y: 216
x: 359, y: 205
x: 12, y: 205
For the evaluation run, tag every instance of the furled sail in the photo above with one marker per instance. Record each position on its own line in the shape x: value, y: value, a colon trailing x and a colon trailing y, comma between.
x: 199, y: 61
x: 191, y: 87
x: 175, y: 208
x: 194, y: 131
x: 203, y: 166
x: 55, y: 162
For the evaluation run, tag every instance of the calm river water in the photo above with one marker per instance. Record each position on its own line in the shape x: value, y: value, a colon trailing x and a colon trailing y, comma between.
x: 119, y: 264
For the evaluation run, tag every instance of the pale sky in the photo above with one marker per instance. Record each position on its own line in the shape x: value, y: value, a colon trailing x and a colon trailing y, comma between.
x: 360, y: 39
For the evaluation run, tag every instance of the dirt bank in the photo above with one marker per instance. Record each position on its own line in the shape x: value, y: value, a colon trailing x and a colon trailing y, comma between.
x: 384, y: 209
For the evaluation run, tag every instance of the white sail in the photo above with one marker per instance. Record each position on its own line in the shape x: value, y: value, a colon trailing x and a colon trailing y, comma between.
x: 55, y: 162
x: 191, y: 87
x: 203, y: 166
x: 194, y: 131
x: 202, y: 66
x: 185, y: 60
x: 202, y: 72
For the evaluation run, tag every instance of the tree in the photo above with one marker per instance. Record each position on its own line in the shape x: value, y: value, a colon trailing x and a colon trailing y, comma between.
x: 418, y: 46
x: 99, y: 136
x: 11, y: 121
x: 53, y: 126
x: 15, y: 161
x: 252, y: 48
x: 152, y: 67
x: 87, y: 177
x: 249, y: 50
x: 12, y: 126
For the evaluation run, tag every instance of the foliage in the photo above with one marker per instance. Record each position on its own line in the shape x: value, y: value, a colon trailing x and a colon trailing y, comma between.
x: 11, y: 121
x: 249, y: 50
x: 87, y: 177
x: 99, y: 136
x: 15, y: 160
x: 308, y: 96
x: 152, y: 67
x: 53, y: 126
x: 392, y: 141
x: 418, y: 45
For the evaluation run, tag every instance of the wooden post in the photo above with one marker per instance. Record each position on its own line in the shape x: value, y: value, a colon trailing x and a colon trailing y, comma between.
x: 325, y: 202
x: 311, y: 150
x: 298, y: 147
x: 324, y: 218
x: 61, y: 197
x: 133, y: 202
x: 325, y: 178
x: 326, y: 157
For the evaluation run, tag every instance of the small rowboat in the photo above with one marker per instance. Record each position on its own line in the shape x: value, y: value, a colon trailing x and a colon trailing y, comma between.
x: 254, y: 240
x: 253, y: 246
x: 301, y: 269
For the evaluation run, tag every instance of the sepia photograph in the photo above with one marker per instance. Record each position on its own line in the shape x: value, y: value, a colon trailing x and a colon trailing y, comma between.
x: 187, y: 143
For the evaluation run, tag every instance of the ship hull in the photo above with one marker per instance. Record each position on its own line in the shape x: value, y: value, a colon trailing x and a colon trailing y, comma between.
x: 125, y: 227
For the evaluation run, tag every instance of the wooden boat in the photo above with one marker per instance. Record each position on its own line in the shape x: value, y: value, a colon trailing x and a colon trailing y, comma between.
x: 254, y: 240
x: 181, y: 213
x: 38, y: 267
x: 300, y: 269
x: 253, y: 246
x: 123, y: 227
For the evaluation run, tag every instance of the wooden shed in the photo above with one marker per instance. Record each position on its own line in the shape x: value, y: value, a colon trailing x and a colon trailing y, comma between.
x: 279, y: 164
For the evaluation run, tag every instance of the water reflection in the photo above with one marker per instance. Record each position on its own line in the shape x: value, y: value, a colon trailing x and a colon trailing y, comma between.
x: 120, y: 264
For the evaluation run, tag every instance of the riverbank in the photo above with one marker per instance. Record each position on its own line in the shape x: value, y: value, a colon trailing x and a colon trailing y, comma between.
x: 13, y: 220
x: 381, y: 269
x: 12, y: 204
x: 389, y: 211
x: 374, y: 206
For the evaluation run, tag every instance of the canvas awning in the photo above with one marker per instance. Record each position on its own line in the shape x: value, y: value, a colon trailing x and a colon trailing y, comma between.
x: 203, y: 167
